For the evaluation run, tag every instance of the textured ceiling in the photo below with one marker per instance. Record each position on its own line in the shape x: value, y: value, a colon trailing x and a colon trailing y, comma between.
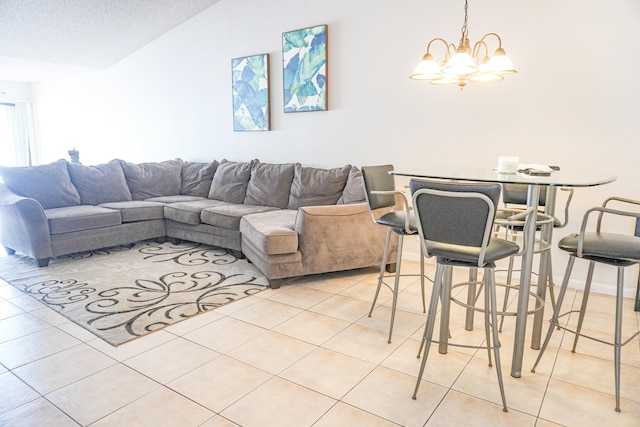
x: 41, y: 39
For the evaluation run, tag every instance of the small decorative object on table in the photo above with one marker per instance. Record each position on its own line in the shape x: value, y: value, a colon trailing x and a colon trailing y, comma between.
x: 75, y: 155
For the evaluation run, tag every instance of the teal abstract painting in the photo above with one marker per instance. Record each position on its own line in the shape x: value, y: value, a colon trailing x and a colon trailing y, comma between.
x: 250, y: 76
x: 304, y: 57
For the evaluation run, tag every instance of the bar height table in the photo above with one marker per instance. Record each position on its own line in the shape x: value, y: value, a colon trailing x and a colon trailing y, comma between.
x: 534, y: 182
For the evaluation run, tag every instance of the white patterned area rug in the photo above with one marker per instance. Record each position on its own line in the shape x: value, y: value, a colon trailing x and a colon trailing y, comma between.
x: 124, y: 292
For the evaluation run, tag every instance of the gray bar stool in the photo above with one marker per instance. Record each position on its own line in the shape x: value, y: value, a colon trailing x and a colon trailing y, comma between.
x: 455, y: 223
x: 381, y: 194
x: 510, y: 225
x: 619, y: 250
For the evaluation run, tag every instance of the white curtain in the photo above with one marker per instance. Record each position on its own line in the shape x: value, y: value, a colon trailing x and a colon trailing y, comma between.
x: 18, y: 145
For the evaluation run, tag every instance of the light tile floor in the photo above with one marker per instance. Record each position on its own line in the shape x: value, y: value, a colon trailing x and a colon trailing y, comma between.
x: 306, y: 354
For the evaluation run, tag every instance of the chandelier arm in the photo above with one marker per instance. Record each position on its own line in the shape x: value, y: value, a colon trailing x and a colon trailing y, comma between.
x: 476, y: 50
x: 447, y: 46
x: 496, y: 36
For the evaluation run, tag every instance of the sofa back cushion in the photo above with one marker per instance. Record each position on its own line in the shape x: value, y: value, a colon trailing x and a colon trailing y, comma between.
x: 354, y: 189
x: 197, y: 177
x: 100, y: 184
x: 49, y: 184
x: 270, y: 184
x: 314, y: 187
x: 154, y: 179
x: 230, y: 181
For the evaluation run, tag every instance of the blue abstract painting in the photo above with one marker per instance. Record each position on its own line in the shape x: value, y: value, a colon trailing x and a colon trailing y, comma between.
x: 250, y: 76
x: 304, y: 57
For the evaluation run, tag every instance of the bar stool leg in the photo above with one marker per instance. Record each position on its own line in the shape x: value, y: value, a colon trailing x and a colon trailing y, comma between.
x: 583, y: 305
x: 487, y: 318
x: 490, y: 288
x: 472, y: 297
x: 556, y: 312
x: 550, y: 283
x: 427, y: 337
x: 507, y: 288
x: 618, y: 334
x: 446, y: 309
x: 424, y: 306
x: 385, y: 255
x: 396, y: 285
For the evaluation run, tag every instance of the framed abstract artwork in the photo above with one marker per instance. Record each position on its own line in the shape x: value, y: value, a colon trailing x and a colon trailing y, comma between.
x: 304, y: 57
x: 250, y: 83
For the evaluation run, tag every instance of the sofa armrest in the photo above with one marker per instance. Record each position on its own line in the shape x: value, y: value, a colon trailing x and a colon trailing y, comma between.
x: 340, y: 237
x: 23, y: 226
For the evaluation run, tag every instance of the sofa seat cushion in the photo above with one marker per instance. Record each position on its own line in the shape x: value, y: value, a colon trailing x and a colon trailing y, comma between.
x: 272, y: 232
x: 228, y: 215
x: 175, y: 199
x: 189, y: 212
x: 79, y: 218
x: 137, y: 210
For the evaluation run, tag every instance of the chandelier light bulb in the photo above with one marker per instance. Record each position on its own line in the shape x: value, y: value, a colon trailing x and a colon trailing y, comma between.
x: 461, y: 64
x: 427, y: 69
x: 499, y: 63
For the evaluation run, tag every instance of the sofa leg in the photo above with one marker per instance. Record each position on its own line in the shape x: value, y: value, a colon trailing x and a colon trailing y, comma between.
x: 275, y: 283
x: 391, y: 268
x: 43, y: 262
x: 162, y: 240
x: 236, y: 253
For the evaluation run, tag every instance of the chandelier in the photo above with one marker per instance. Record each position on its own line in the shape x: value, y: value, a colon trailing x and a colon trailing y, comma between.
x: 462, y: 64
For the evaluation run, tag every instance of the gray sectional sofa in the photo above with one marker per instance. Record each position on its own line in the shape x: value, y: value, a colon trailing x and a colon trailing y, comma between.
x: 287, y: 219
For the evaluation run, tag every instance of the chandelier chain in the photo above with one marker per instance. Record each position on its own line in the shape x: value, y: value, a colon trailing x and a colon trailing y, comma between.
x: 465, y: 31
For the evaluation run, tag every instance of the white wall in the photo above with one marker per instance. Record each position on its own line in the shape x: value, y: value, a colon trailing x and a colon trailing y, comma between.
x: 14, y: 92
x: 574, y: 102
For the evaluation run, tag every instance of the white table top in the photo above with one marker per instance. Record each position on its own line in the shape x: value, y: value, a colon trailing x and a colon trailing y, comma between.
x: 556, y: 178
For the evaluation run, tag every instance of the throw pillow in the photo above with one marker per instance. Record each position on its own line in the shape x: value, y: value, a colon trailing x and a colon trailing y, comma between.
x: 314, y: 187
x: 154, y: 179
x: 100, y: 184
x: 354, y: 189
x: 270, y: 185
x: 197, y: 177
x: 49, y: 184
x: 230, y: 181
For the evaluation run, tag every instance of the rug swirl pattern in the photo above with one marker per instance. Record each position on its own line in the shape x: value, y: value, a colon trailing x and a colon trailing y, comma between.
x: 128, y: 291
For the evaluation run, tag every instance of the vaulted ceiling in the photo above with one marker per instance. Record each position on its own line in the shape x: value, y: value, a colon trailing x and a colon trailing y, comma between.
x: 40, y: 39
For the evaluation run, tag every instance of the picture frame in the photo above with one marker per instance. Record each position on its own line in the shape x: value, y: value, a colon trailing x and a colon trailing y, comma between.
x: 250, y: 91
x: 304, y: 60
